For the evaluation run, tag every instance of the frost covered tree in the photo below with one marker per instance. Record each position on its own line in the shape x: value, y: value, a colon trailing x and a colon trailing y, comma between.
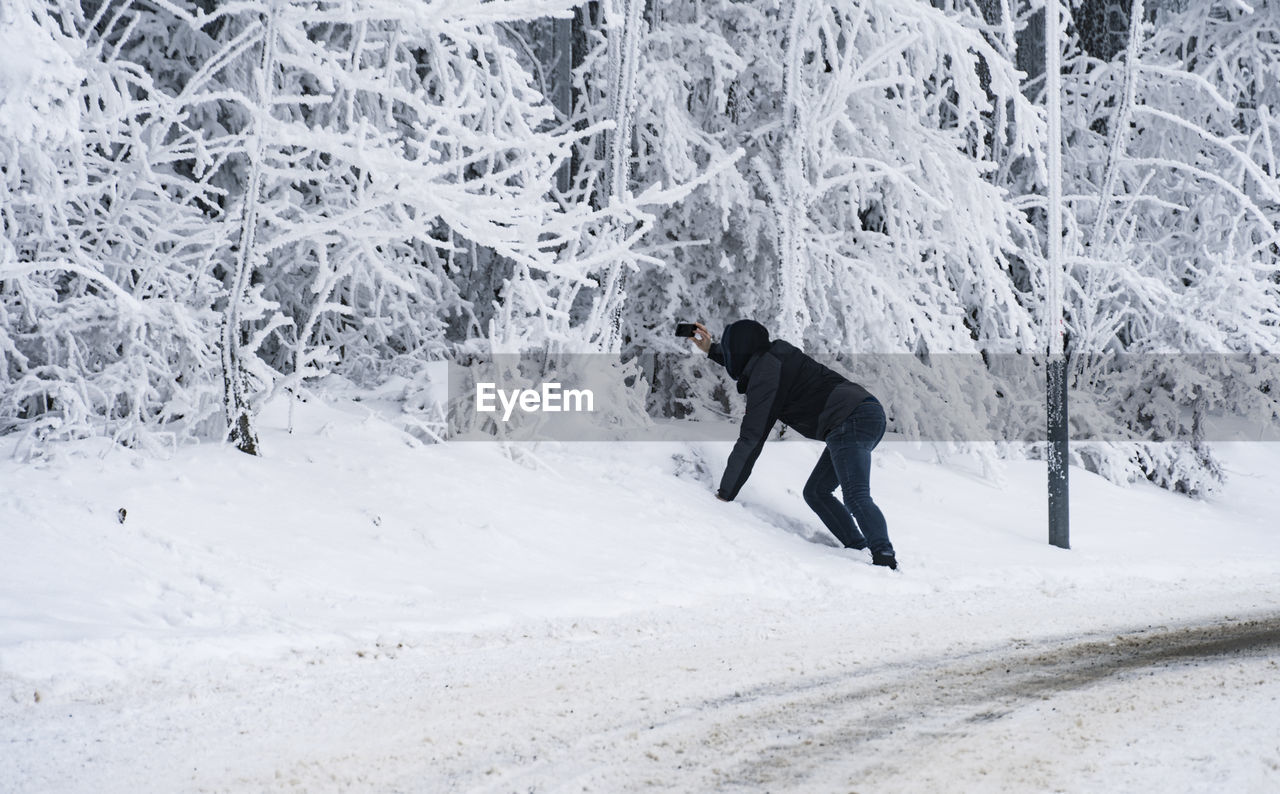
x: 370, y: 140
x: 105, y: 321
x: 865, y: 216
x: 206, y: 204
x: 338, y: 168
x: 1177, y: 202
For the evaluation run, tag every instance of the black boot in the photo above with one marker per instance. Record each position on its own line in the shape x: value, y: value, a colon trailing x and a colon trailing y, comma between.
x: 887, y: 560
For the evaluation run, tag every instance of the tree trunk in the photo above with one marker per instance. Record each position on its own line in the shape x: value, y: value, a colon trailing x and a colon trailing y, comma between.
x: 562, y: 80
x: 793, y: 186
x: 1120, y: 127
x: 235, y: 377
x: 624, y: 55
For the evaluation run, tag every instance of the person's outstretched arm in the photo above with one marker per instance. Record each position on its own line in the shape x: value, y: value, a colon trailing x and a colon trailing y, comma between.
x: 762, y: 389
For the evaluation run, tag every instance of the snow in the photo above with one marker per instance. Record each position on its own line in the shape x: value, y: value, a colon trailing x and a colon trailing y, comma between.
x: 355, y: 609
x: 39, y: 78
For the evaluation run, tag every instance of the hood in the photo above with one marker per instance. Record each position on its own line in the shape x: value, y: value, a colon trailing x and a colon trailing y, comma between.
x: 739, y: 342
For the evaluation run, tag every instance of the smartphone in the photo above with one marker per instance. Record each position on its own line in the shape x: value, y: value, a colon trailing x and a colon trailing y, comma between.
x: 685, y: 329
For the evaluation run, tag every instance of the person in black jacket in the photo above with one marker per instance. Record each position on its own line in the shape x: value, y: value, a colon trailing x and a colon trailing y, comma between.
x: 782, y: 383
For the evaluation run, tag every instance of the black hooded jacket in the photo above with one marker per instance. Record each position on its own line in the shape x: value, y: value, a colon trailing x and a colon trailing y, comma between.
x: 781, y: 383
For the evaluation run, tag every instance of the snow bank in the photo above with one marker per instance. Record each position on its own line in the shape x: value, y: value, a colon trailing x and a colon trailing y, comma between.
x: 348, y: 530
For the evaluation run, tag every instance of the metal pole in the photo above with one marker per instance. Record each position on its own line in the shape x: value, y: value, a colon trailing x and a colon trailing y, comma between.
x: 1056, y: 380
x: 1059, y: 513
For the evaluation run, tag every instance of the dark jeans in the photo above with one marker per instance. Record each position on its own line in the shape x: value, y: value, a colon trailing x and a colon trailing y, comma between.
x: 847, y: 462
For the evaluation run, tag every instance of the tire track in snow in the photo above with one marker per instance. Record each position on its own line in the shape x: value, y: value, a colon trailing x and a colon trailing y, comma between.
x: 951, y: 700
x: 860, y: 726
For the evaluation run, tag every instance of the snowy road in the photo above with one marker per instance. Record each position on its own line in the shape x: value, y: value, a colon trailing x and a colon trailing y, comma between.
x: 746, y: 698
x: 916, y: 726
x: 906, y: 728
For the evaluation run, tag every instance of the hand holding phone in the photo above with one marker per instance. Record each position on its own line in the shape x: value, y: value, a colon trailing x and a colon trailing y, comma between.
x: 698, y: 333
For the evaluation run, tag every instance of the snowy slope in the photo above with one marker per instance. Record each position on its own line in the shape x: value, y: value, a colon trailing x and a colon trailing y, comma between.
x: 349, y: 542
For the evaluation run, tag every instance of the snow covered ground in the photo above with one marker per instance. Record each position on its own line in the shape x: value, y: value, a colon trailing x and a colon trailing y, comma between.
x: 355, y: 611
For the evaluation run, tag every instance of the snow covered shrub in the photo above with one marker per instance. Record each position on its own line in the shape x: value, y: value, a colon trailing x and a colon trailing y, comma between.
x: 104, y: 265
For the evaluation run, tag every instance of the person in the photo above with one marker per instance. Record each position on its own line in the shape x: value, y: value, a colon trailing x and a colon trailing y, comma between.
x: 782, y: 383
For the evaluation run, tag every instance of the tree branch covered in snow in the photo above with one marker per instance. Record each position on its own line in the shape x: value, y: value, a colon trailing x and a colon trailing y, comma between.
x: 208, y: 204
x: 1182, y: 118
